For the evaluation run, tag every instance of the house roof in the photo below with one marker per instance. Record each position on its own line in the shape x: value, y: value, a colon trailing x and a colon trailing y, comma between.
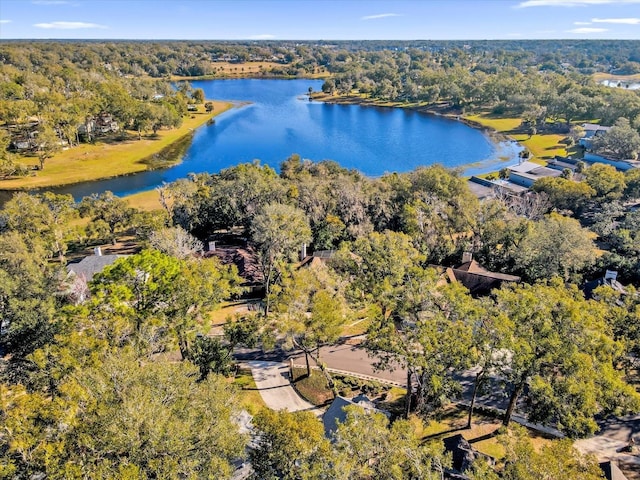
x: 611, y: 471
x: 589, y: 287
x: 89, y: 266
x: 524, y: 167
x: 475, y: 268
x: 477, y: 279
x: 594, y: 127
x: 244, y: 258
x: 463, y: 455
x: 533, y: 171
x: 480, y: 191
x: 318, y: 257
x: 336, y: 413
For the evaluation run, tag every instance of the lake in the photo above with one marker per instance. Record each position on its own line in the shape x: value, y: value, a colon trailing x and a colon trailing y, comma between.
x: 274, y: 119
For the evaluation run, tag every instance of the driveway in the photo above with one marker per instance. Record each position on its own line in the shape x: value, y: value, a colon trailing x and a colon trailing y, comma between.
x: 610, y: 442
x: 272, y: 380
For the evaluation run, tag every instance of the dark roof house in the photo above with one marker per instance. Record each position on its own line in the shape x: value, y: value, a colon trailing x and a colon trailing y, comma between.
x: 91, y: 265
x: 477, y: 279
x: 463, y: 457
x: 610, y: 279
x: 336, y: 413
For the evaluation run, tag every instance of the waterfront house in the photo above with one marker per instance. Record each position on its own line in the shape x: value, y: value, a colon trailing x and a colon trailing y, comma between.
x: 591, y: 130
x: 526, y: 173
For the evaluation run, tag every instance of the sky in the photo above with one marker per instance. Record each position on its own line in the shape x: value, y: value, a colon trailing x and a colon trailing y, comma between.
x: 320, y: 19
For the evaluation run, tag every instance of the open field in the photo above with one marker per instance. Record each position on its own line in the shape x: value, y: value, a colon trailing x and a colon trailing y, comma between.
x: 147, y: 201
x: 542, y: 146
x: 105, y: 159
x: 246, y: 69
x: 601, y: 76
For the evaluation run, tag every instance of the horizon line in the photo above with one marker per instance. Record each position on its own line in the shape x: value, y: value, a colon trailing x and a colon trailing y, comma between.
x: 314, y: 40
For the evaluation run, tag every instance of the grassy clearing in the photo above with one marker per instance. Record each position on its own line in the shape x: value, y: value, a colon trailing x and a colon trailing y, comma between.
x: 483, y: 434
x: 600, y: 76
x: 502, y: 125
x: 148, y: 201
x: 542, y: 146
x: 250, y: 398
x: 105, y: 159
x: 219, y: 316
x: 247, y: 69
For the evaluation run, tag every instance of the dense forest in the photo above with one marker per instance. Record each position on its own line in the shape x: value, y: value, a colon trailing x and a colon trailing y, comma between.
x: 79, y: 355
x: 119, y: 375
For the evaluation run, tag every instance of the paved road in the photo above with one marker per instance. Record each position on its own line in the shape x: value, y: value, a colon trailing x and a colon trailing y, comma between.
x: 272, y: 380
x: 610, y: 442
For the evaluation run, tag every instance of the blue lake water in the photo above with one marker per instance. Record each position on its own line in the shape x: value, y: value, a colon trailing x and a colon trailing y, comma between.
x: 274, y: 119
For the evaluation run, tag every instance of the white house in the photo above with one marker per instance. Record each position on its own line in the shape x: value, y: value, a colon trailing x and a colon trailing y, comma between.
x: 526, y: 173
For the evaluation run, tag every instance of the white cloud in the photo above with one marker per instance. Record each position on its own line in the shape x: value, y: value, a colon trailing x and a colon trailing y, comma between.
x: 263, y: 36
x: 380, y: 15
x: 68, y: 25
x: 624, y: 21
x: 5, y: 21
x: 588, y: 30
x: 582, y: 23
x: 570, y: 3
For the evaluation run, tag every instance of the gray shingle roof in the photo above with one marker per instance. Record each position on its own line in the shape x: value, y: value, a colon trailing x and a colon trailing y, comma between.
x: 91, y: 265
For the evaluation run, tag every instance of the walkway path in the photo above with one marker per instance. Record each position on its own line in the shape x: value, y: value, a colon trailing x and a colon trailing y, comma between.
x: 272, y: 380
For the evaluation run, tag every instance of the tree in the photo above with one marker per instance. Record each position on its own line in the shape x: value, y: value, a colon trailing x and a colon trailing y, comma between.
x: 377, y: 267
x: 608, y: 183
x: 289, y: 446
x: 209, y: 107
x: 558, y: 460
x: 632, y: 180
x: 489, y: 352
x: 621, y: 141
x: 562, y: 357
x: 114, y: 211
x: 555, y: 245
x: 279, y: 230
x: 565, y: 194
x: 162, y: 295
x: 309, y: 310
x: 48, y: 144
x: 145, y: 117
x: 429, y: 335
x: 210, y: 356
x: 176, y: 242
x: 123, y: 418
x: 44, y: 217
x: 27, y: 304
x: 365, y: 446
x: 198, y: 95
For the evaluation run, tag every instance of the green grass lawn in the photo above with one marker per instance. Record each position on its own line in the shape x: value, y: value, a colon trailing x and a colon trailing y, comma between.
x: 87, y: 162
x: 147, y: 201
x: 542, y: 146
x: 250, y: 398
x: 483, y: 434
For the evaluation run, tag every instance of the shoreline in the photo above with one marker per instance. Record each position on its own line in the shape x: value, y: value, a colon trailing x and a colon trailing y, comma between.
x: 152, y: 158
x: 541, y: 146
